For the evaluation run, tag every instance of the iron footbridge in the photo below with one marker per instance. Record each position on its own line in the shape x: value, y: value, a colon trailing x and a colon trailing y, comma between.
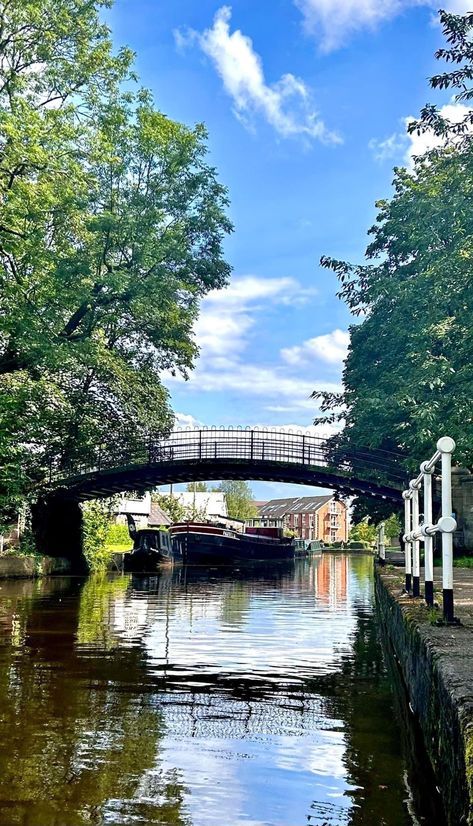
x: 192, y: 455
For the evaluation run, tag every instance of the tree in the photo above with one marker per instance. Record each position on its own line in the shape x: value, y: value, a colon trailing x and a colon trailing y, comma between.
x: 239, y: 498
x: 177, y: 511
x: 408, y: 377
x: 197, y: 487
x: 363, y: 531
x: 457, y: 32
x: 171, y: 506
x: 111, y: 230
x: 392, y: 526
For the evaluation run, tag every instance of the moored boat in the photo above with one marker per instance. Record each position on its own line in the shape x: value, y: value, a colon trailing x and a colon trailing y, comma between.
x: 151, y: 549
x: 213, y: 544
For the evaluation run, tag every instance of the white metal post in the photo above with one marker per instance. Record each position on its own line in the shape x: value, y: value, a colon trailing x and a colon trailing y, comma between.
x: 415, y: 541
x: 428, y: 538
x: 381, y: 544
x: 446, y: 446
x: 407, y: 544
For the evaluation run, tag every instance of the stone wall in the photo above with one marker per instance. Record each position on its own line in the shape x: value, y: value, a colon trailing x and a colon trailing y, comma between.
x: 24, y: 567
x: 436, y: 670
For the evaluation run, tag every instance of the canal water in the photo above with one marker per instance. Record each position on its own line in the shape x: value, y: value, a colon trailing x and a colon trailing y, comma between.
x: 201, y: 698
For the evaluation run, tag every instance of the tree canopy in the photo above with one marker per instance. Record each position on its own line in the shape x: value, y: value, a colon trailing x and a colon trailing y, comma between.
x: 197, y: 487
x: 239, y: 499
x: 111, y: 231
x: 408, y: 377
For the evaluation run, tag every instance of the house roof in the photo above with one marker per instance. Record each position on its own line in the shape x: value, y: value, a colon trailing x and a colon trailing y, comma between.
x: 157, y: 516
x: 277, y: 508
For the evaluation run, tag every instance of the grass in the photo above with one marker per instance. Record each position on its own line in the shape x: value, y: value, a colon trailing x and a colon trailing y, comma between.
x: 120, y: 547
x: 463, y: 561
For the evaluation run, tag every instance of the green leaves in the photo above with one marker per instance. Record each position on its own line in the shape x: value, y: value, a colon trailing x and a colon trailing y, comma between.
x: 408, y: 377
x: 111, y: 230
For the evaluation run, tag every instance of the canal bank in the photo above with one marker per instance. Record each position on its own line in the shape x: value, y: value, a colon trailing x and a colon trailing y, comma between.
x: 436, y: 666
x: 30, y: 566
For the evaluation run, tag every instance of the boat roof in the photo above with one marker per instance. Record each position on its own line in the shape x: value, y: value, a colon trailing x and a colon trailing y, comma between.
x: 277, y: 508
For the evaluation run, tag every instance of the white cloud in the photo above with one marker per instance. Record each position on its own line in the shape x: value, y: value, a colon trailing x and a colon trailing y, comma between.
x: 390, y: 148
x: 228, y: 315
x: 333, y: 22
x: 254, y: 380
x: 322, y: 431
x: 331, y: 348
x: 419, y: 144
x: 405, y: 147
x: 227, y: 333
x: 285, y: 104
x: 186, y: 420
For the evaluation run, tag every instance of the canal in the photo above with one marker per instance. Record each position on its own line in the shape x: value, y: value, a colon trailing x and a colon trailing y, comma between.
x: 204, y: 698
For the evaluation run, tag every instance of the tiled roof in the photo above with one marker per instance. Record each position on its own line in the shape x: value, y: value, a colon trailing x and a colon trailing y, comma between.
x: 277, y: 508
x: 158, y: 516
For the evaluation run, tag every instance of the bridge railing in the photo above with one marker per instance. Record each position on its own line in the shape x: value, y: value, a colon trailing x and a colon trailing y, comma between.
x: 242, y: 444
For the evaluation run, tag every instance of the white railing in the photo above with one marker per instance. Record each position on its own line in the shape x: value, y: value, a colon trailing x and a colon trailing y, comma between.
x: 381, y: 543
x: 417, y: 531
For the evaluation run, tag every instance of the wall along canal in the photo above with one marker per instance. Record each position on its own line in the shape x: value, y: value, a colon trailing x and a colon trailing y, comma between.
x: 202, y: 698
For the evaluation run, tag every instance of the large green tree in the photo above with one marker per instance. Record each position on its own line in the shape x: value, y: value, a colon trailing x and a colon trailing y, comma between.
x: 111, y: 230
x: 408, y: 377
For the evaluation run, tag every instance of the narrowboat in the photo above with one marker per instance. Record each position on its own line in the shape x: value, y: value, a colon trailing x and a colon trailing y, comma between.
x: 204, y: 543
x: 151, y: 549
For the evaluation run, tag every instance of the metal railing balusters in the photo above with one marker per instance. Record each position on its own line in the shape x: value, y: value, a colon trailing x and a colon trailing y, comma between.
x: 446, y: 525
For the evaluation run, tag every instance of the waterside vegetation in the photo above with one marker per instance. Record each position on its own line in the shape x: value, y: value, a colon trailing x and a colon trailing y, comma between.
x: 111, y: 230
x: 418, y: 268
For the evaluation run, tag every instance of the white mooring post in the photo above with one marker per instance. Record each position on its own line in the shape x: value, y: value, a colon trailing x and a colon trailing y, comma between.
x: 447, y: 525
x: 427, y: 471
x: 381, y: 544
x: 415, y: 541
x: 407, y: 544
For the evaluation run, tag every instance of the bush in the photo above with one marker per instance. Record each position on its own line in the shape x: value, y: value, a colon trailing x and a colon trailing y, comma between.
x: 118, y: 535
x: 96, y: 523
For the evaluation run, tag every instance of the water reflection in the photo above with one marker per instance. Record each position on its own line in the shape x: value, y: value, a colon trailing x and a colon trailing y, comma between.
x: 198, y: 698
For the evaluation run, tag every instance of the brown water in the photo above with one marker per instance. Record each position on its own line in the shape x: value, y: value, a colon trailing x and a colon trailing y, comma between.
x: 201, y: 698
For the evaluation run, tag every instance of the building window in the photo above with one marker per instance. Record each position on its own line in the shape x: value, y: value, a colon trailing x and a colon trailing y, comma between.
x: 296, y: 520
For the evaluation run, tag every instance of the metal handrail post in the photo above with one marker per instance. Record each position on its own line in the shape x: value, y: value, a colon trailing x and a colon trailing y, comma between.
x: 428, y: 539
x: 415, y: 542
x: 381, y: 544
x: 446, y: 446
x: 407, y: 544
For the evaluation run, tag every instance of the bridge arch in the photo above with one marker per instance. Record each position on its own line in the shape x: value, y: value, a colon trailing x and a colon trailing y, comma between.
x: 228, y: 453
x: 189, y: 455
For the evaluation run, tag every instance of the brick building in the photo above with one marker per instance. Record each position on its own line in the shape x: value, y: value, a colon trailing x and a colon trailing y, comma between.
x: 310, y: 517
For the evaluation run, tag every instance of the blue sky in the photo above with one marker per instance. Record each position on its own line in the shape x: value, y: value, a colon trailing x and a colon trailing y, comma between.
x: 305, y: 102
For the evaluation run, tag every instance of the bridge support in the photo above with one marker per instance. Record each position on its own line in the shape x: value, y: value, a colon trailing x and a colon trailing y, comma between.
x: 57, y: 528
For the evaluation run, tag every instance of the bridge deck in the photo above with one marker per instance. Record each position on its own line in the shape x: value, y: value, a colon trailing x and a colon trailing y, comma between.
x: 219, y: 453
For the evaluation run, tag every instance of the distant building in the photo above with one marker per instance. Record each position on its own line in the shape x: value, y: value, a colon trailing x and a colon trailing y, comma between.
x: 139, y: 508
x: 157, y: 517
x: 310, y: 517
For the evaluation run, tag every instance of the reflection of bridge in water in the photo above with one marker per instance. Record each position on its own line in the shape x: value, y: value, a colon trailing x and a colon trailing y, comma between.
x: 233, y: 453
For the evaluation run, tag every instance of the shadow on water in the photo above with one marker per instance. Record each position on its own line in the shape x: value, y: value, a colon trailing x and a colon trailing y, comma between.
x: 74, y: 748
x: 183, y: 697
x: 425, y: 796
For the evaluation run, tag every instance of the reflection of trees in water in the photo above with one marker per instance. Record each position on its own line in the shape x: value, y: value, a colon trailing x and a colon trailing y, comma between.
x: 82, y: 737
x: 83, y: 712
x: 361, y: 696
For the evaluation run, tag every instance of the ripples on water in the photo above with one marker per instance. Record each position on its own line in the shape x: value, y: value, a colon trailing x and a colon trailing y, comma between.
x: 199, y: 698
